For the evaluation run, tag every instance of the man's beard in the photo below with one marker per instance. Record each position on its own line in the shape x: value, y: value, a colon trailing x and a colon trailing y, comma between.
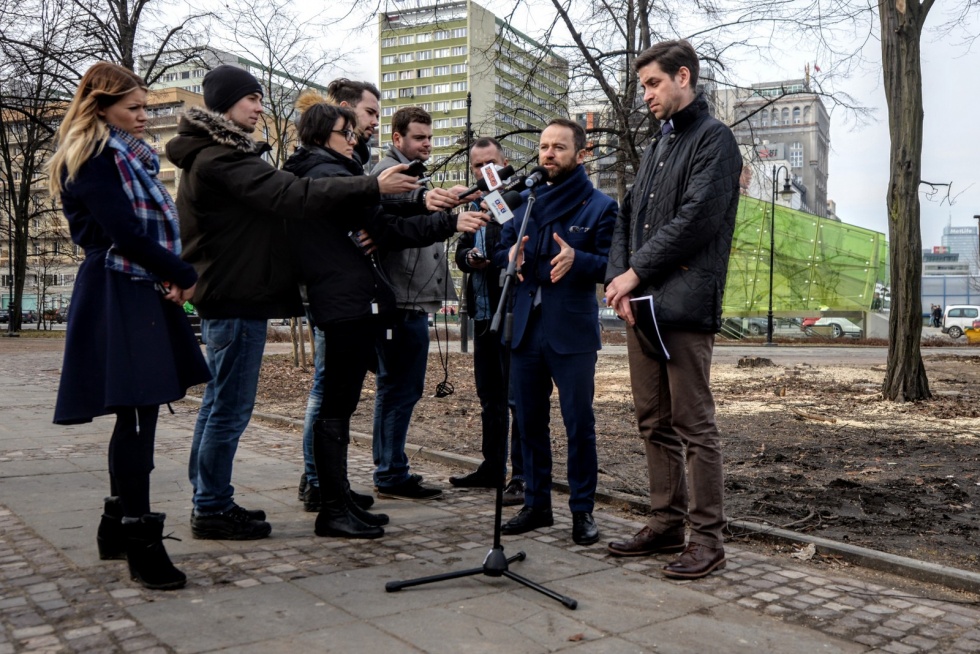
x: 561, y: 175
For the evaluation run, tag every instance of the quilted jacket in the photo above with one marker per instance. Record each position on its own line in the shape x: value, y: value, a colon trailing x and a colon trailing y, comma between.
x: 675, y: 225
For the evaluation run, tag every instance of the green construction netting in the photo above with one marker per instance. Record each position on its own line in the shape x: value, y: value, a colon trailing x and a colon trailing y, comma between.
x: 819, y: 264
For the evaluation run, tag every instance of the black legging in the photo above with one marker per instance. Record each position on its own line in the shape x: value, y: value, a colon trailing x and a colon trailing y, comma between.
x: 349, y: 353
x: 131, y: 457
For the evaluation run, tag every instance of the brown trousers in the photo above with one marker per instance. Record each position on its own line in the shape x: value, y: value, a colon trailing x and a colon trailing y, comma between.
x: 674, y: 410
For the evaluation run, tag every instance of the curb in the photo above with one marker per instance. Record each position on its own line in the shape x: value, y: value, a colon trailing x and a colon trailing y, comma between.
x: 933, y: 573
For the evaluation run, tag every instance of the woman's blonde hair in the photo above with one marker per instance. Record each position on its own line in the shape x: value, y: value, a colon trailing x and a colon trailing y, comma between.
x: 82, y: 131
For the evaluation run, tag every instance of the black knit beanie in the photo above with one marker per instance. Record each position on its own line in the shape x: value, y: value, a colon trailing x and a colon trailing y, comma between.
x: 226, y: 85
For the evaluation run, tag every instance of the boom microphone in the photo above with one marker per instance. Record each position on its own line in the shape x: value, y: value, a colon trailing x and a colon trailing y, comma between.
x: 504, y: 173
x: 537, y: 176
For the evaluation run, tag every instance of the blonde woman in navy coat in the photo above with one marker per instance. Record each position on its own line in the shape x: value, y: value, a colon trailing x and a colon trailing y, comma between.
x: 129, y: 347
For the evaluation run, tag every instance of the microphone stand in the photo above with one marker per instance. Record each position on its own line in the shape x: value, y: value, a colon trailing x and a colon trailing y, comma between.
x: 496, y: 563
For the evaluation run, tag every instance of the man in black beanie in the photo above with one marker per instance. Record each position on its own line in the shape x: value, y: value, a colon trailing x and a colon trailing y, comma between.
x: 233, y: 207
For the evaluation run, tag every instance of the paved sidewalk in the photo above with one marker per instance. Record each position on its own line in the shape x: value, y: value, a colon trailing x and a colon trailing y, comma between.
x: 296, y: 592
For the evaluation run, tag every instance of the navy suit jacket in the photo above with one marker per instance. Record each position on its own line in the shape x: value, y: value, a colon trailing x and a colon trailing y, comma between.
x: 584, y: 218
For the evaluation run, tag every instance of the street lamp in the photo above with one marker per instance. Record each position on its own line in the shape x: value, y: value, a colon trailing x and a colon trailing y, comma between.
x: 786, y: 193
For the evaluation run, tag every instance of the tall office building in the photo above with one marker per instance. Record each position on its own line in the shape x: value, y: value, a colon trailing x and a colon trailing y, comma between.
x: 783, y: 121
x: 964, y: 242
x: 433, y: 55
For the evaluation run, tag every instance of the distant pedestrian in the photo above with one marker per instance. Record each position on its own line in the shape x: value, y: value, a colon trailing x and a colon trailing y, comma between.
x: 129, y: 347
x: 937, y: 316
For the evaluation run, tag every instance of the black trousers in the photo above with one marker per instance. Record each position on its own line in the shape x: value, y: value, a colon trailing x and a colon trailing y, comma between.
x: 488, y: 371
x: 348, y: 356
x: 131, y: 457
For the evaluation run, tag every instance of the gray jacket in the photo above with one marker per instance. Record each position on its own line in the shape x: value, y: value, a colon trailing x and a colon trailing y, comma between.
x: 419, y: 276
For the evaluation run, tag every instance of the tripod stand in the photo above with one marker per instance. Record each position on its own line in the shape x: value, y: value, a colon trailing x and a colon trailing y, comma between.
x: 496, y: 563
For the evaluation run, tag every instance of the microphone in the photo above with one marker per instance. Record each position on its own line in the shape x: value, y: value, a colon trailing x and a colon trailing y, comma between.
x: 513, y: 199
x: 537, y: 176
x: 502, y: 205
x: 504, y: 173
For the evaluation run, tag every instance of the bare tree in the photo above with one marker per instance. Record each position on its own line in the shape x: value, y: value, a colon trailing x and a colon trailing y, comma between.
x: 290, y: 58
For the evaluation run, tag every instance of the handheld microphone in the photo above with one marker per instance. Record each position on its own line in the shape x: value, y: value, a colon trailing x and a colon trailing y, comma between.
x: 537, y: 176
x: 504, y: 173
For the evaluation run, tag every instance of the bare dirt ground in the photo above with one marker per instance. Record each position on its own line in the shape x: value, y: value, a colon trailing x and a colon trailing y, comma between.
x: 811, y: 448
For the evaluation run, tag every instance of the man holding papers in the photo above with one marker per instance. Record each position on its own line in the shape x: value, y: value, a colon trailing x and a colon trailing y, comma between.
x: 671, y: 242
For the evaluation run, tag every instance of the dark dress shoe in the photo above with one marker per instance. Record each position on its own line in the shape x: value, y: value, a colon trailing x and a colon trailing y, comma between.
x: 647, y: 542
x: 584, y: 530
x: 475, y: 479
x: 528, y: 519
x: 695, y: 562
x: 514, y: 493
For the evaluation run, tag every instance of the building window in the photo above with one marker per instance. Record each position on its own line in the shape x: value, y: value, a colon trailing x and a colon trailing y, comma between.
x: 440, y: 52
x: 459, y: 104
x: 459, y: 33
x: 407, y: 92
x: 406, y: 57
x: 796, y: 115
x: 440, y: 88
x: 388, y: 111
x: 389, y: 77
x: 386, y: 129
x: 423, y: 38
x: 459, y: 122
x: 426, y: 106
x: 424, y: 55
x: 459, y: 51
x: 441, y: 106
x: 784, y: 116
x: 425, y: 72
x: 765, y: 119
x: 388, y: 60
x: 796, y: 155
x: 440, y: 70
x: 442, y: 141
x: 459, y: 69
x: 407, y: 39
x: 406, y: 74
x: 388, y: 94
x: 389, y: 42
x: 442, y: 35
x: 424, y: 90
x: 775, y: 117
x: 459, y: 86
x: 442, y: 123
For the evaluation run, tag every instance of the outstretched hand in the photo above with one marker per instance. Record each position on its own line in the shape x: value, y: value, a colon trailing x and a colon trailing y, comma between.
x: 563, y: 261
x: 394, y: 180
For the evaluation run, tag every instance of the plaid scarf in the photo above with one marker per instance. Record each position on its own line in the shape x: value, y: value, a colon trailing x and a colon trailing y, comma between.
x: 138, y: 166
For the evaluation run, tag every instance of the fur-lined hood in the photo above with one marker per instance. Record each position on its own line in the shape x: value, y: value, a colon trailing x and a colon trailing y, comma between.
x: 200, y: 128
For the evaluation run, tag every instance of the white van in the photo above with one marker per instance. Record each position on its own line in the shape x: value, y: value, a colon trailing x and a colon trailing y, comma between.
x: 958, y: 317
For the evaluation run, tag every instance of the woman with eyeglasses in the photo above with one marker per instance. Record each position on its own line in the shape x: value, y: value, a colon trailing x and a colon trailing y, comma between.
x: 129, y: 347
x: 349, y: 297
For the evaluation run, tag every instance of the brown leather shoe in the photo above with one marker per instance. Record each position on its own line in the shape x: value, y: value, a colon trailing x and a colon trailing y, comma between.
x: 647, y: 542
x: 695, y: 562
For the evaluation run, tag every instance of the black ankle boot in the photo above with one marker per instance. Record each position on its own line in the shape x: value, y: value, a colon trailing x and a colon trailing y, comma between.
x: 149, y: 563
x: 303, y: 485
x: 330, y: 440
x: 110, y: 538
x: 368, y: 518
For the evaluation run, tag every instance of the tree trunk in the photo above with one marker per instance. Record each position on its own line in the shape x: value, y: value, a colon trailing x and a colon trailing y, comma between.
x: 901, y: 29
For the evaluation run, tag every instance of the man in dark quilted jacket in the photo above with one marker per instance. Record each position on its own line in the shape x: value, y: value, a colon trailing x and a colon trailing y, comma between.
x: 672, y: 240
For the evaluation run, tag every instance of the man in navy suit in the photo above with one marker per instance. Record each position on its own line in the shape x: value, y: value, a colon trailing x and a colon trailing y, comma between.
x: 556, y: 331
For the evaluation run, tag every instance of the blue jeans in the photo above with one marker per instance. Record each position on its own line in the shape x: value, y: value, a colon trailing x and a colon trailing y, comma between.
x: 313, y: 404
x: 401, y: 380
x: 234, y: 351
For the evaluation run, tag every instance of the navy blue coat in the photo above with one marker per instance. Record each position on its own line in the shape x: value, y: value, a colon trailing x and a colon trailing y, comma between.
x: 126, y: 346
x: 584, y: 218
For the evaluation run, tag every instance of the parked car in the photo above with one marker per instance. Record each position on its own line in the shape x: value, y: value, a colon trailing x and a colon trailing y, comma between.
x: 958, y: 317
x: 4, y: 315
x: 609, y: 321
x: 838, y: 326
x: 760, y: 326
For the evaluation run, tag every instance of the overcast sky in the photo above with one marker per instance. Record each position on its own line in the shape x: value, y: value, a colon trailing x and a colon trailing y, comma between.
x: 858, y: 173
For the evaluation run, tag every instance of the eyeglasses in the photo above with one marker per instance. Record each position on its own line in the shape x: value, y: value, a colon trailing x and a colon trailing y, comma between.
x: 348, y: 134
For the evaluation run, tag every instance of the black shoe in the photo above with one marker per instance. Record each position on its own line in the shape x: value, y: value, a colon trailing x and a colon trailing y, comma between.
x: 311, y: 499
x: 584, y: 530
x: 233, y: 524
x: 475, y: 479
x: 528, y: 519
x: 410, y: 489
x: 360, y: 499
x: 110, y: 537
x: 303, y: 484
x: 253, y: 514
x: 514, y: 493
x: 149, y: 563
